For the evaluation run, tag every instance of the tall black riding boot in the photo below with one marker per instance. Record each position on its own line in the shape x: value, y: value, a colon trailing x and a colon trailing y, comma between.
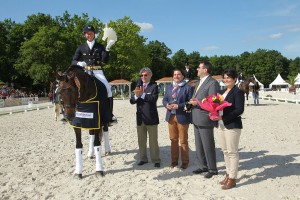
x: 111, y: 105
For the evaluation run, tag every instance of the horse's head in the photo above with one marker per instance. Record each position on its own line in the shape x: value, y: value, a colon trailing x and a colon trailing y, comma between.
x: 75, y: 85
x: 69, y: 93
x: 252, y: 80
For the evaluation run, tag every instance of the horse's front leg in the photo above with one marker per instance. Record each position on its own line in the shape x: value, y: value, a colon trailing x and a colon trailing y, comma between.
x: 78, y: 153
x: 247, y: 99
x: 97, y: 148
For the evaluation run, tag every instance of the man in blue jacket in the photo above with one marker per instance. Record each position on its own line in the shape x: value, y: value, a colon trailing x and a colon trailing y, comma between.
x: 176, y: 97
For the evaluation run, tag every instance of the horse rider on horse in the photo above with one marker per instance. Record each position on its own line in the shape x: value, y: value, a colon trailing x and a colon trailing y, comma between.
x: 92, y: 56
x: 241, y: 79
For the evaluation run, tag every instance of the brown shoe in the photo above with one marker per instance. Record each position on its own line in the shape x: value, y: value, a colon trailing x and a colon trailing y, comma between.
x: 229, y: 184
x: 224, y: 181
x: 173, y: 164
x: 184, y: 166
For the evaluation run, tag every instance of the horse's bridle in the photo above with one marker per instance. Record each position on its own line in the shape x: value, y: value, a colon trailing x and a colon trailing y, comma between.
x: 74, y: 90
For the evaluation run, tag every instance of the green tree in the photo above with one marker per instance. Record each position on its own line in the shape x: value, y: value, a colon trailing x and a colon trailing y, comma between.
x: 34, y: 22
x: 266, y: 65
x: 193, y: 60
x: 179, y: 59
x: 43, y: 54
x: 13, y: 36
x: 129, y: 54
x: 4, y: 70
x: 294, y: 67
x: 223, y: 62
x: 159, y: 63
x: 243, y: 61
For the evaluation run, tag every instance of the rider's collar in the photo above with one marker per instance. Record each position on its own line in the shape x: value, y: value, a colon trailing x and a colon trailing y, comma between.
x: 91, y: 44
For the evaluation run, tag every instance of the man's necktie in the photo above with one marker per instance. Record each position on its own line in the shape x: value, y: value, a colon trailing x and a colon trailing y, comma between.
x: 200, y: 83
x: 144, y: 87
x: 174, y: 91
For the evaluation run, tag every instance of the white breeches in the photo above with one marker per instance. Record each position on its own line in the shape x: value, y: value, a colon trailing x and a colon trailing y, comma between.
x: 100, y: 76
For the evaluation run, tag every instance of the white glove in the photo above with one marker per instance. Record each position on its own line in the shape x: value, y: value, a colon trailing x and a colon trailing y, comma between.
x: 109, y: 44
x: 82, y: 64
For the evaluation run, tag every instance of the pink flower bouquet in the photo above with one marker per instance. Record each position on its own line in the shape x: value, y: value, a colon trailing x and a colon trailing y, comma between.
x: 213, y: 104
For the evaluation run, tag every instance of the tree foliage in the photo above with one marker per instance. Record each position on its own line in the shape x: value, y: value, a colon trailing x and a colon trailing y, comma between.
x: 159, y: 63
x: 43, y: 54
x: 129, y: 54
x: 179, y: 58
x: 193, y: 60
x: 30, y: 53
x: 266, y: 65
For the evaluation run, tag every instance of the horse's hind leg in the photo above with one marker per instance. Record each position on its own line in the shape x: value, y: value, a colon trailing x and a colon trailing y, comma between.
x: 55, y: 111
x: 106, y: 140
x: 97, y: 148
x: 247, y: 99
x: 78, y: 153
x: 91, y: 144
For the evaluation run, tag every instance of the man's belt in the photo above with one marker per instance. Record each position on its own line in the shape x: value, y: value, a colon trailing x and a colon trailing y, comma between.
x: 93, y: 67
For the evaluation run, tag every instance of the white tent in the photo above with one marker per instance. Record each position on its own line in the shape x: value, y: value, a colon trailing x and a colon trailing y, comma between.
x: 222, y: 85
x: 279, y: 83
x: 297, y: 79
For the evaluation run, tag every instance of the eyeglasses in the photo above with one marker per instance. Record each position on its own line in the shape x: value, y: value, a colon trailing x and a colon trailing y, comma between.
x: 145, y: 75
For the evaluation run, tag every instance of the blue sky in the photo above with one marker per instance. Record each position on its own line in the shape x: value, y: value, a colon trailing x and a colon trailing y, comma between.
x: 210, y: 27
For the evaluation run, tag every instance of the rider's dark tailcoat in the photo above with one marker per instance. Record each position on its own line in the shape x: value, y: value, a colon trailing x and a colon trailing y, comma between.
x: 93, y: 57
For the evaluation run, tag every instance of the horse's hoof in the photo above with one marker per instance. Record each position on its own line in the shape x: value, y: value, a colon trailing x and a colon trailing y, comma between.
x: 107, y: 153
x: 78, y: 176
x: 99, y: 173
x: 90, y: 155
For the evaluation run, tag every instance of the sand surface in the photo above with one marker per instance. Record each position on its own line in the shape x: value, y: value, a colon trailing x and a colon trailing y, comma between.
x: 38, y: 159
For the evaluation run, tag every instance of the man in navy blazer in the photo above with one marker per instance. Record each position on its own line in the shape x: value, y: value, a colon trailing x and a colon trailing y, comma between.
x: 176, y: 97
x: 145, y: 97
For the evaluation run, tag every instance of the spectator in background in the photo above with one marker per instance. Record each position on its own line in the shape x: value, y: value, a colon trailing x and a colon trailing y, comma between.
x: 187, y: 73
x: 255, y: 93
x: 241, y: 78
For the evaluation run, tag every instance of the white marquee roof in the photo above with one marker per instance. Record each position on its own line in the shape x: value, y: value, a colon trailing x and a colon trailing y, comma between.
x: 297, y: 79
x: 279, y: 81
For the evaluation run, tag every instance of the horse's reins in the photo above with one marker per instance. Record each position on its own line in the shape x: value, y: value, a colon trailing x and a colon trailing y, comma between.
x: 73, y: 89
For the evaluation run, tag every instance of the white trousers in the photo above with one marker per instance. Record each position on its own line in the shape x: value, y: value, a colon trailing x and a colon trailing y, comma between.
x: 229, y: 141
x: 100, y: 76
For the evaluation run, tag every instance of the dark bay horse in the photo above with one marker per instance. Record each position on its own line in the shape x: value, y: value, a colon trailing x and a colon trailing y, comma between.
x: 76, y: 86
x: 244, y: 86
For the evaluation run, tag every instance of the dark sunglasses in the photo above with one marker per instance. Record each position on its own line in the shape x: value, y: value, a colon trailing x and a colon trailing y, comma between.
x: 145, y: 75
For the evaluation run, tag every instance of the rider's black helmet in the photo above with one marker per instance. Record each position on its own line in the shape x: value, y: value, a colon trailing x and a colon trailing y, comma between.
x: 89, y: 28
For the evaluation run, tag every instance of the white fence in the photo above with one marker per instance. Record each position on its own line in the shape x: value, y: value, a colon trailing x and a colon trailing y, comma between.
x: 281, y: 100
x: 18, y: 101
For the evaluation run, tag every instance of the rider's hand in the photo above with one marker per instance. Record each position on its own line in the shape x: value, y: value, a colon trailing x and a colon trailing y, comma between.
x: 82, y: 64
x: 109, y: 44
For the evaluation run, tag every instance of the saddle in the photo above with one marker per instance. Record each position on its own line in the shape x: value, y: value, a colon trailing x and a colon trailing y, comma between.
x: 93, y: 113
